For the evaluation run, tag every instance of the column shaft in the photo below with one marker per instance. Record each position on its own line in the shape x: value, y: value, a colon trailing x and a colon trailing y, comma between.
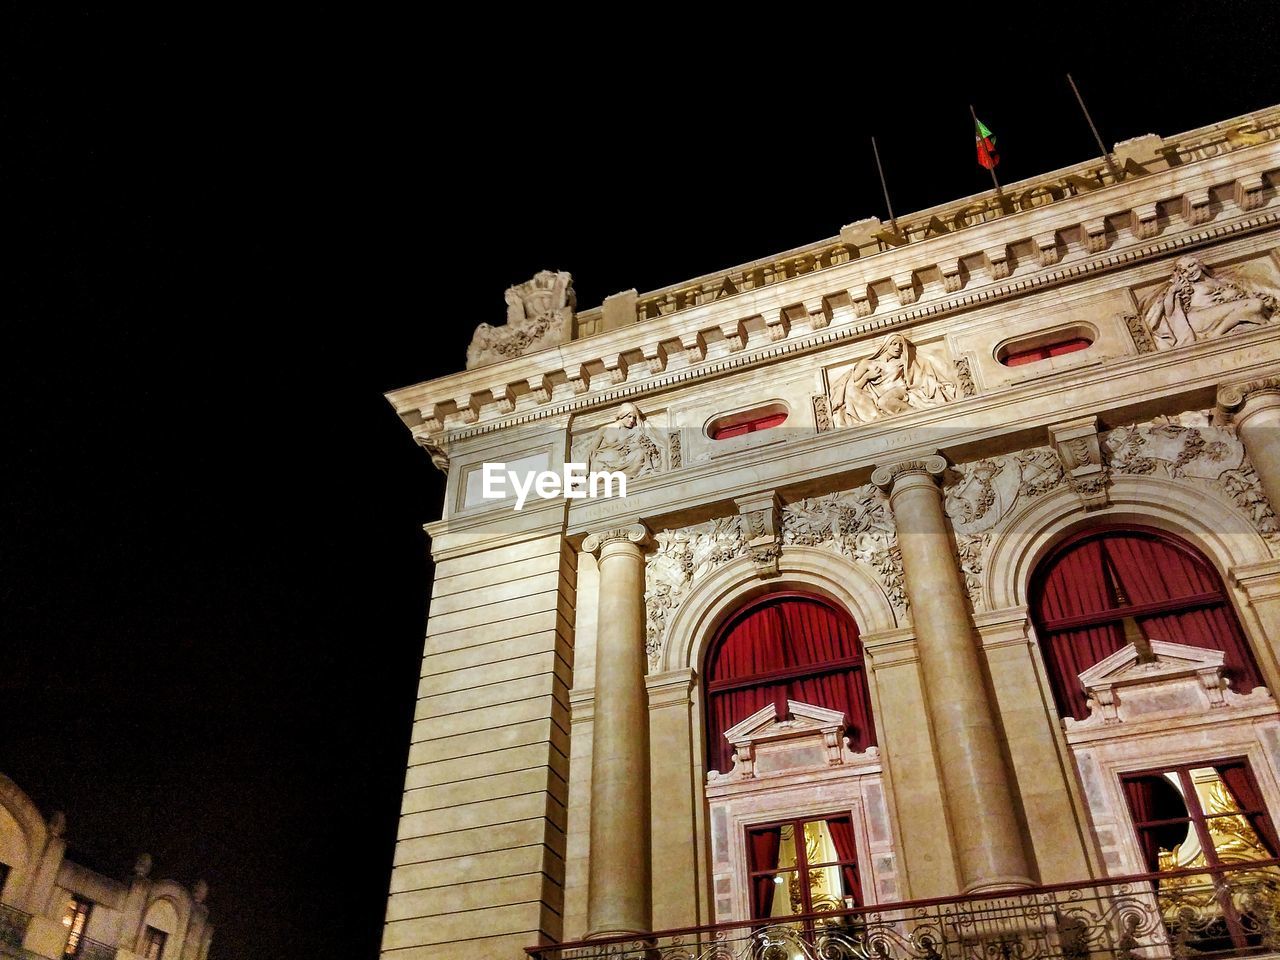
x: 1257, y: 420
x: 978, y: 797
x: 618, y: 893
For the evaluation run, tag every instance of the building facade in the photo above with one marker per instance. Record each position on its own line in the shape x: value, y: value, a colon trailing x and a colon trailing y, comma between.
x: 946, y: 575
x: 52, y: 907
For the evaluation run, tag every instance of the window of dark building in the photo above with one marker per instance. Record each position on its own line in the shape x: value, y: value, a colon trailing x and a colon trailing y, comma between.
x: 75, y: 918
x: 785, y: 647
x: 1103, y: 589
x: 153, y: 942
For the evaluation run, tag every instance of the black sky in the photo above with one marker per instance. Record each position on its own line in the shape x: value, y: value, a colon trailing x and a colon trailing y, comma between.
x: 231, y: 230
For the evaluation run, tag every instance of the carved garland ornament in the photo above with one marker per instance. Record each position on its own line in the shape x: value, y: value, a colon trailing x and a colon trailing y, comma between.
x: 984, y: 492
x: 679, y: 558
x: 856, y: 523
x: 1186, y: 448
x: 1189, y: 448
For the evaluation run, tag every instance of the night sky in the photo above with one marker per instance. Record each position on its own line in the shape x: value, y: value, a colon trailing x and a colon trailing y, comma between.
x: 229, y: 232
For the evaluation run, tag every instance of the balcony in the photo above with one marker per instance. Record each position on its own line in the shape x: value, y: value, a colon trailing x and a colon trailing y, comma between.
x: 1176, y: 915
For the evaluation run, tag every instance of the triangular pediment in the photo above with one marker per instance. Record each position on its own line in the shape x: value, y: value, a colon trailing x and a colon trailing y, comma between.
x: 1171, y: 660
x: 764, y: 724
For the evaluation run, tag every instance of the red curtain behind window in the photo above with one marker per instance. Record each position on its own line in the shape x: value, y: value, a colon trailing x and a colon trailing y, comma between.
x: 1087, y: 577
x: 790, y: 647
x: 1141, y: 794
x: 842, y: 836
x: 763, y: 847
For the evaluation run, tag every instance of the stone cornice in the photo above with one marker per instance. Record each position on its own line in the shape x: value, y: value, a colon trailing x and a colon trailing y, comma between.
x: 451, y: 402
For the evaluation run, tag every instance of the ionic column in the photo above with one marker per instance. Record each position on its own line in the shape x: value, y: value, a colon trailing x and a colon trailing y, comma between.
x: 618, y: 891
x: 979, y: 801
x: 1254, y: 408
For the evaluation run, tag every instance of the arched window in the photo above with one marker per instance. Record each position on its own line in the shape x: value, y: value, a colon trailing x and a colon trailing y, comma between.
x: 1103, y: 589
x: 781, y: 647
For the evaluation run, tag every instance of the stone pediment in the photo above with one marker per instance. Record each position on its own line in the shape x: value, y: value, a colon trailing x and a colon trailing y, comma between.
x: 1180, y: 680
x: 807, y: 738
x: 1171, y: 659
x: 764, y: 724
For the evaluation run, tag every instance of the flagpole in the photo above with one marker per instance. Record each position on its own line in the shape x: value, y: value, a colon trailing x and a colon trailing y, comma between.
x: 1106, y: 154
x: 991, y: 169
x: 884, y: 186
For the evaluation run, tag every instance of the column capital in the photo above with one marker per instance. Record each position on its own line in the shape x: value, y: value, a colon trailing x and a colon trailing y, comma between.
x: 1233, y: 396
x: 636, y: 533
x: 929, y: 465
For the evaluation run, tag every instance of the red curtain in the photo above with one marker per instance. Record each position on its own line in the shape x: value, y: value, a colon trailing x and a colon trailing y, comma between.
x: 1141, y: 794
x: 772, y: 640
x: 842, y: 836
x: 1141, y: 567
x: 763, y: 847
x: 1239, y: 781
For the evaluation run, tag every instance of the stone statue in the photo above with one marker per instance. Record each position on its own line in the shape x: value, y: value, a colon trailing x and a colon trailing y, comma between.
x: 540, y: 314
x: 627, y: 445
x: 1196, y: 305
x: 895, y: 379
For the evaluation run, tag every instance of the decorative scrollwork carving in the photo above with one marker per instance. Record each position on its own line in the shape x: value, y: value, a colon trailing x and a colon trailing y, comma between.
x: 856, y: 523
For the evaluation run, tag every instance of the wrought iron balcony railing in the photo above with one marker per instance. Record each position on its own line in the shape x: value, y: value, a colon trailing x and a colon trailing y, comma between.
x: 1175, y: 915
x: 13, y: 926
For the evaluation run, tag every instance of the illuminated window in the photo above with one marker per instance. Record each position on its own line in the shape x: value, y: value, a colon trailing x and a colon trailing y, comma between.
x: 1206, y: 814
x: 1046, y: 344
x: 802, y: 866
x: 75, y: 919
x: 1044, y: 353
x: 749, y: 421
x: 153, y: 943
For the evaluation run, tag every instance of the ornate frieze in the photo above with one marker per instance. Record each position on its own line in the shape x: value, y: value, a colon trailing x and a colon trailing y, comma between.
x: 980, y: 494
x: 964, y: 376
x: 856, y: 523
x: 627, y: 445
x: 539, y: 315
x: 895, y: 379
x: 1190, y: 448
x: 1200, y: 304
x: 679, y: 558
x: 822, y: 413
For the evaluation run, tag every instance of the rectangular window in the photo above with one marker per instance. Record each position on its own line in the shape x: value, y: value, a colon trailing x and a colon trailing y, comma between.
x: 802, y: 866
x: 75, y: 918
x: 1209, y: 814
x: 4, y: 876
x: 153, y: 943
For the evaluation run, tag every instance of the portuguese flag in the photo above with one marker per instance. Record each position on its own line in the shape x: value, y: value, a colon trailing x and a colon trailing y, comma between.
x: 987, y: 155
